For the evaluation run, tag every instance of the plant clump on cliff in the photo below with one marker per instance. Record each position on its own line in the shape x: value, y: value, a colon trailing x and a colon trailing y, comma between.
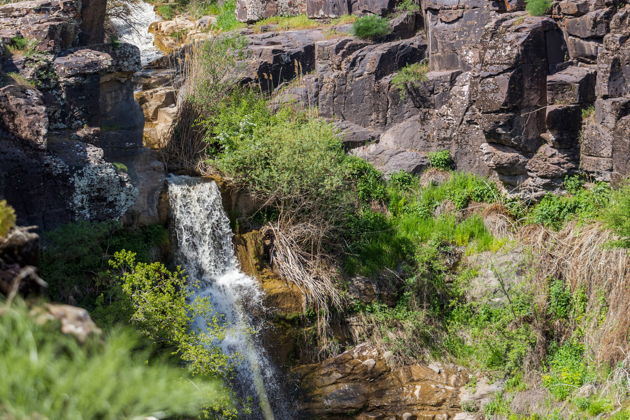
x: 371, y: 27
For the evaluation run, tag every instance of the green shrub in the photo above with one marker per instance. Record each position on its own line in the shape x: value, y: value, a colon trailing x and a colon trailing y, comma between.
x: 215, y: 63
x: 370, y: 185
x: 588, y: 112
x: 290, y: 159
x: 408, y: 6
x: 226, y: 19
x: 7, y: 218
x: 567, y: 370
x: 411, y: 74
x: 574, y: 184
x: 492, y: 336
x: 538, y: 7
x: 46, y: 374
x: 441, y: 159
x: 371, y: 27
x: 162, y: 308
x: 616, y: 215
x: 166, y: 11
x: 75, y: 254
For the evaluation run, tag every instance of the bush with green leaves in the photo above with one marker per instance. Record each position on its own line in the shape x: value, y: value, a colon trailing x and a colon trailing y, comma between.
x: 7, y: 218
x: 617, y: 214
x: 46, y: 374
x: 163, y: 306
x: 371, y: 27
x: 74, y: 256
x: 441, y: 159
x: 410, y: 75
x: 567, y: 370
x: 538, y: 7
x: 289, y: 159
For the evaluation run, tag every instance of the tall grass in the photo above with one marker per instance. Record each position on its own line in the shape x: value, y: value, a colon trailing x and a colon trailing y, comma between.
x: 49, y: 375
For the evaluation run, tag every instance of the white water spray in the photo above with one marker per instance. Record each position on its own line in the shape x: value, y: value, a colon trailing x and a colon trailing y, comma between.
x: 134, y: 29
x: 205, y: 251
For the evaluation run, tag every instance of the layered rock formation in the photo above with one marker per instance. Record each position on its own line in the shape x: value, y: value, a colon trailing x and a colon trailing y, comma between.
x: 360, y: 384
x: 71, y: 132
x: 510, y: 95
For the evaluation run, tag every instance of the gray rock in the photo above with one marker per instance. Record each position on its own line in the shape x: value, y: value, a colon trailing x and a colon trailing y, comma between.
x: 22, y: 113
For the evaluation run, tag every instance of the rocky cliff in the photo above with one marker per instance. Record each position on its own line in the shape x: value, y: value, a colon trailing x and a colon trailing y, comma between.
x: 523, y: 99
x: 70, y: 130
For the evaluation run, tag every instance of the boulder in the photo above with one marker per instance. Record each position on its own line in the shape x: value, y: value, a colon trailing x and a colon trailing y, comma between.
x: 22, y: 113
x: 353, y: 79
x: 364, y: 382
x: 327, y: 8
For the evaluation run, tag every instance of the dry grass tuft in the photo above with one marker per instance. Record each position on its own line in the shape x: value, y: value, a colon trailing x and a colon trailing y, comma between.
x: 580, y: 255
x: 297, y: 255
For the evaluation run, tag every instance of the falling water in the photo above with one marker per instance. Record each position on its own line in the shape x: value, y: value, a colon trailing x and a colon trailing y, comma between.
x: 205, y: 251
x: 134, y: 29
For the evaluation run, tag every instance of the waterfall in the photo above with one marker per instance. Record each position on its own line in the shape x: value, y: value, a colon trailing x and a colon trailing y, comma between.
x: 205, y: 250
x: 134, y: 29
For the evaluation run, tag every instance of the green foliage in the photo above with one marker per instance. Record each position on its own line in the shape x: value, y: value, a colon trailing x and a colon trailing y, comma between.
x: 120, y: 166
x: 593, y: 406
x: 370, y: 185
x: 213, y: 60
x: 7, y: 218
x: 289, y: 158
x: 371, y: 27
x: 286, y: 23
x: 559, y: 299
x: 555, y: 210
x: 574, y: 184
x: 408, y: 6
x: 75, y: 254
x: 588, y: 112
x: 538, y: 7
x: 441, y: 159
x: 567, y: 370
x: 617, y: 215
x: 163, y: 306
x: 46, y: 374
x: 410, y: 75
x: 378, y: 241
x: 492, y: 336
x: 498, y: 406
x: 20, y: 45
x: 226, y: 18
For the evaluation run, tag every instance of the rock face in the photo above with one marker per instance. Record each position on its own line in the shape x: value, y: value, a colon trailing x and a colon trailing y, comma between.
x: 253, y: 10
x: 508, y: 94
x: 360, y: 384
x: 70, y: 129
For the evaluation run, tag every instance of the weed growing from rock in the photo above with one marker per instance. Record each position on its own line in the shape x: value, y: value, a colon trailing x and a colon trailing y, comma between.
x: 538, y: 7
x: 371, y: 27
